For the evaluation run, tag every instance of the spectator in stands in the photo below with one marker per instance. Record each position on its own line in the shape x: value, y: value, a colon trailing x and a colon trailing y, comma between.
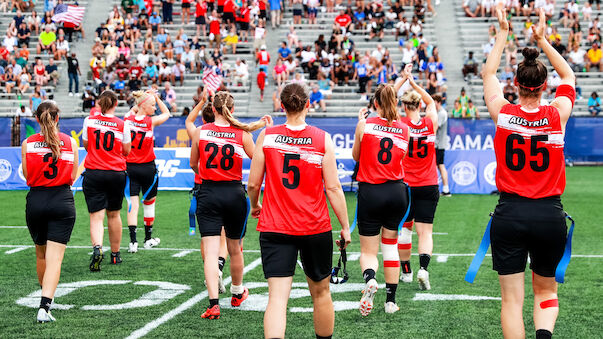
x: 23, y: 34
x: 155, y: 22
x: 469, y: 66
x: 97, y: 64
x: 241, y: 73
x: 214, y: 30
x: 275, y: 13
x: 165, y: 72
x: 4, y: 5
x: 243, y: 19
x: 594, y: 58
x: 185, y: 14
x: 263, y: 58
x: 88, y: 99
x: 73, y: 72
x: 40, y: 74
x: 232, y: 39
x: 343, y: 22
x: 463, y: 99
x: 46, y: 41
x: 9, y: 42
x: 178, y: 71
x: 167, y: 7
x: 577, y: 58
x: 317, y: 100
x: 111, y: 53
x: 188, y: 58
x: 35, y: 100
x: 510, y: 91
x: 284, y: 52
x: 487, y: 8
x: 53, y: 71
x: 312, y: 10
x: 24, y: 81
x: 279, y: 72
x: 507, y: 73
x: 201, y: 16
x: 325, y: 85
x: 33, y: 22
x: 62, y: 48
x: 10, y: 80
x: 471, y: 112
x: 24, y: 111
x: 168, y: 96
x: 472, y: 8
x: 362, y: 74
x: 261, y: 81
x: 594, y: 104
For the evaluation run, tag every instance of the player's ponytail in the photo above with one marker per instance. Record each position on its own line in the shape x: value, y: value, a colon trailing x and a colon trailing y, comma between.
x: 531, y: 74
x: 387, y: 99
x: 294, y: 98
x: 107, y: 101
x: 224, y: 104
x: 47, y: 114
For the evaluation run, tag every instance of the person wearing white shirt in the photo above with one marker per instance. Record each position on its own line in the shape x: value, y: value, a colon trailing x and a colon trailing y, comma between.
x: 587, y: 10
x: 576, y: 58
x: 143, y: 57
x: 178, y: 71
x: 23, y: 111
x: 9, y: 42
x: 241, y: 73
x: 188, y: 58
x: 408, y: 54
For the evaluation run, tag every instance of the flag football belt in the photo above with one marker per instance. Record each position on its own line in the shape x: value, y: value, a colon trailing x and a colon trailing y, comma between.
x: 485, y: 243
x: 343, y: 260
x: 192, y: 211
x: 144, y: 196
x: 75, y: 182
x: 353, y: 226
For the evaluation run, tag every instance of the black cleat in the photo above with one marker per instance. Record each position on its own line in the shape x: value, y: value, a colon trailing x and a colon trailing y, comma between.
x: 96, y: 259
x: 446, y: 194
x: 115, y: 258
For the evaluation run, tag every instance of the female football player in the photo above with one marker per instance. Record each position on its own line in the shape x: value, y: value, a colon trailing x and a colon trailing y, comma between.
x: 49, y: 159
x: 421, y: 175
x: 380, y: 145
x: 530, y: 175
x: 217, y: 155
x: 299, y: 163
x: 141, y: 163
x: 107, y: 140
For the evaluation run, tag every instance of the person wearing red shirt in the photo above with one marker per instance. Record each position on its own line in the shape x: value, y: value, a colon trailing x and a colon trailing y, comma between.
x: 261, y: 81
x: 262, y: 16
x: 200, y: 19
x: 108, y: 142
x: 50, y: 161
x: 217, y: 156
x: 298, y: 161
x: 228, y: 17
x: 220, y: 4
x: 342, y: 21
x: 530, y: 174
x: 186, y: 11
x: 380, y: 145
x: 214, y: 30
x: 263, y: 58
x: 141, y: 163
x: 243, y: 19
x: 422, y: 177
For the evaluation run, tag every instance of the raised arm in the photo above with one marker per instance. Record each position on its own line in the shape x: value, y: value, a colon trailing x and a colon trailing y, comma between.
x: 493, y: 93
x: 563, y: 103
x: 430, y: 111
x: 194, y: 159
x: 334, y: 190
x: 165, y: 113
x: 192, y: 116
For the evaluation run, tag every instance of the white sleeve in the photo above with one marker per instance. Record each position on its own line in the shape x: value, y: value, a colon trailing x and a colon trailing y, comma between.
x: 127, y: 136
x: 85, y: 129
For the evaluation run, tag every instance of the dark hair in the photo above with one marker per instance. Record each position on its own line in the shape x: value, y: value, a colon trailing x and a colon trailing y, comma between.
x: 107, y: 100
x: 224, y: 104
x: 437, y: 98
x: 294, y: 98
x: 207, y: 114
x: 531, y: 73
x: 47, y: 113
x: 387, y: 99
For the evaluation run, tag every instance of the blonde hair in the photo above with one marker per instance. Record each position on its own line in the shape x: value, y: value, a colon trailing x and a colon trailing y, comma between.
x: 224, y: 103
x: 411, y: 100
x: 140, y: 96
x: 47, y: 113
x: 387, y: 99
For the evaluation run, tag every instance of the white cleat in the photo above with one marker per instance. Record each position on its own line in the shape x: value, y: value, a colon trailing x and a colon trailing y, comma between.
x: 133, y: 247
x: 151, y: 243
x: 221, y: 287
x: 366, y: 302
x: 423, y: 279
x: 45, y: 317
x: 406, y: 277
x: 391, y: 307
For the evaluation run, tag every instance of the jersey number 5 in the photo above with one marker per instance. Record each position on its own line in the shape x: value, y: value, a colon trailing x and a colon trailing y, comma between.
x: 288, y: 168
x: 513, y: 152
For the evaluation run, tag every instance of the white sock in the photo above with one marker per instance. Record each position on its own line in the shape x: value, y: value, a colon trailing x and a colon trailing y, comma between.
x: 234, y: 289
x: 445, y: 189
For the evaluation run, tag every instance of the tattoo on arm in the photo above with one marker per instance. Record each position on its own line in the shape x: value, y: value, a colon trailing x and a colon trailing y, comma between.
x: 492, y: 98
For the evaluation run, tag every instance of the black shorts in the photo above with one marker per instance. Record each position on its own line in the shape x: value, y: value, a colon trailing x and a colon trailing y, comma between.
x: 243, y: 26
x: 279, y: 254
x: 103, y: 189
x: 142, y: 177
x: 440, y: 156
x: 262, y: 14
x: 228, y: 17
x: 50, y: 214
x: 423, y: 203
x: 186, y: 5
x: 297, y: 12
x: 222, y: 203
x: 220, y: 9
x: 210, y: 7
x: 381, y: 205
x: 522, y: 227
x: 200, y: 20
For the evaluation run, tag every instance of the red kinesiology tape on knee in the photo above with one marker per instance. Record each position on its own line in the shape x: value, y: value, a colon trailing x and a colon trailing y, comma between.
x: 149, y: 202
x: 390, y: 252
x: 549, y: 303
x: 408, y: 225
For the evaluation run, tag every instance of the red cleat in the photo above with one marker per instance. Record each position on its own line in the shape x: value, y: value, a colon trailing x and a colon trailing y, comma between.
x: 212, y: 313
x: 236, y: 302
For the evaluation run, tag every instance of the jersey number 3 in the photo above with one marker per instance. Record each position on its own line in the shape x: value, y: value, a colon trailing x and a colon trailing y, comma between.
x: 52, y: 166
x: 513, y: 153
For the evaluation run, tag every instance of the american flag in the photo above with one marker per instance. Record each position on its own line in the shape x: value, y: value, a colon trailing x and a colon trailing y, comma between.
x: 69, y: 13
x: 211, y: 80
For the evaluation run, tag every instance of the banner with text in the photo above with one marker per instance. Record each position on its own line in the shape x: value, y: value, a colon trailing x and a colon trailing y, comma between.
x: 6, y: 125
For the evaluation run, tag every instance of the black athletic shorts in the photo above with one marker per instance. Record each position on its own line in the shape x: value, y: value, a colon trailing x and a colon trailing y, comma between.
x: 186, y: 5
x: 220, y: 9
x: 262, y: 14
x: 243, y: 26
x: 279, y: 254
x: 200, y: 20
x: 228, y: 17
x: 141, y: 179
x: 423, y: 203
x: 103, y: 189
x: 522, y: 227
x: 297, y: 11
x: 440, y: 156
x: 50, y: 214
x: 381, y: 205
x: 222, y: 203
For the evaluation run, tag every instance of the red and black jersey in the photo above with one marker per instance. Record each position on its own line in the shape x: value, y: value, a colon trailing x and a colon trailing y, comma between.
x: 244, y: 14
x: 382, y: 149
x: 419, y: 163
x: 229, y: 6
x: 141, y: 132
x: 42, y: 169
x: 221, y: 153
x: 262, y: 5
x: 294, y: 199
x: 214, y: 27
x: 105, y: 135
x: 200, y: 9
x: 529, y: 152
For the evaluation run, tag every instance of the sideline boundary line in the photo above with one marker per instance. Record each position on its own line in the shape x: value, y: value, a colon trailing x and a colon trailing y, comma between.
x: 141, y: 332
x: 595, y: 256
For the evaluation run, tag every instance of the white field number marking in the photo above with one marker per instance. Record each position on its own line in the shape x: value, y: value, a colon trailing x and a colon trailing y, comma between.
x: 165, y: 291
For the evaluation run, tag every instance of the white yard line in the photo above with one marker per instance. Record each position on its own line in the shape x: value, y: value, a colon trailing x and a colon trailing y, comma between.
x: 1, y: 227
x: 141, y: 332
x: 15, y: 250
x: 182, y: 253
x: 596, y: 256
x: 442, y: 258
